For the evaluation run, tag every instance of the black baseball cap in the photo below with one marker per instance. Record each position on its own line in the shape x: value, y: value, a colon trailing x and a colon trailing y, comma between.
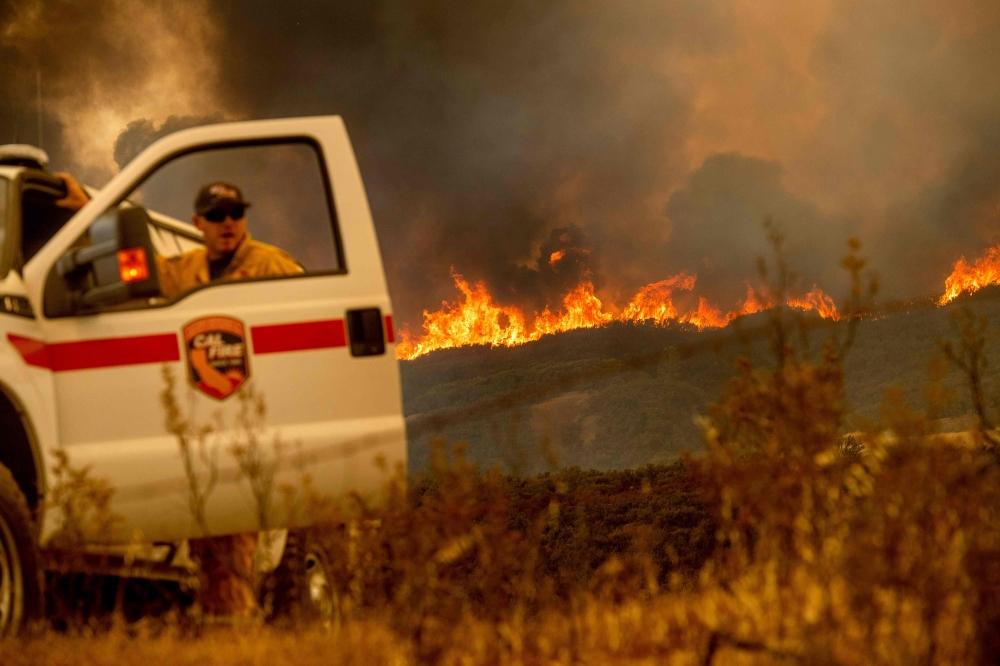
x: 218, y: 195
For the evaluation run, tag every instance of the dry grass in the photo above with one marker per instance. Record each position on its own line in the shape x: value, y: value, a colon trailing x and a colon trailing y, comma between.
x: 891, y: 556
x: 359, y: 643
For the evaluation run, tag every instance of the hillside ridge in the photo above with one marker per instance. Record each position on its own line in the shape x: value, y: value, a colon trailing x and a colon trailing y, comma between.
x: 626, y: 395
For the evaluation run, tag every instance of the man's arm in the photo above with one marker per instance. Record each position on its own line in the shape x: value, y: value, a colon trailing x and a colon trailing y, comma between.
x: 76, y: 197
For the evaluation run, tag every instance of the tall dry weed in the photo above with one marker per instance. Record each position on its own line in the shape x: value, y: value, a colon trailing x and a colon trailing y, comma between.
x: 843, y: 548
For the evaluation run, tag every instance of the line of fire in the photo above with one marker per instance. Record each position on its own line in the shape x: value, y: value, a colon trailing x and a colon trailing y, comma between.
x: 477, y: 319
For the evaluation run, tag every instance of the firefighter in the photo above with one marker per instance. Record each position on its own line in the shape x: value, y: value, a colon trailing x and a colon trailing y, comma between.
x: 226, y: 563
x: 229, y: 252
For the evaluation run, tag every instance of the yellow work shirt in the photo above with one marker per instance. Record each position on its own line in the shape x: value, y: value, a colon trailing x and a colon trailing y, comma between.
x: 252, y: 259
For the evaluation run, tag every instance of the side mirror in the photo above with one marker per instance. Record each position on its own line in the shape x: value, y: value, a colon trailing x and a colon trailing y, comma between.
x: 117, y: 265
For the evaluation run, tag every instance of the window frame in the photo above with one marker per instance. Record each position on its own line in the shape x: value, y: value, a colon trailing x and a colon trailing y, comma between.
x: 10, y: 208
x: 329, y: 197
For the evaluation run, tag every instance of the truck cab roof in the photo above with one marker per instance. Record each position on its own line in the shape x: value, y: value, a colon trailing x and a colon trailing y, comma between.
x: 22, y: 154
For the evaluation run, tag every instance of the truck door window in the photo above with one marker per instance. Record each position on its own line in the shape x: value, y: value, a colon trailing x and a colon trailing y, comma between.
x: 281, y: 191
x: 284, y: 183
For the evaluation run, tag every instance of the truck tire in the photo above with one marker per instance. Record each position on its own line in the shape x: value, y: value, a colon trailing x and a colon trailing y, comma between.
x: 20, y: 574
x: 300, y: 590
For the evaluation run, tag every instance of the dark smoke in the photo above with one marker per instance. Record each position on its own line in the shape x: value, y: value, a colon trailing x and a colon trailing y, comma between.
x: 547, y: 278
x: 100, y: 66
x: 139, y: 134
x: 910, y: 143
x: 664, y: 133
x: 481, y: 131
x: 719, y: 228
x: 958, y: 215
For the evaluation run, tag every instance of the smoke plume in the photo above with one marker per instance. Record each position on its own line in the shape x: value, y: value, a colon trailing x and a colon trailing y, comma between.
x: 98, y: 66
x: 138, y: 134
x: 718, y: 228
x: 660, y: 134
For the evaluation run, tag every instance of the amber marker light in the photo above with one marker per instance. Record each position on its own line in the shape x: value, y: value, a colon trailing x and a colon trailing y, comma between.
x: 132, y: 265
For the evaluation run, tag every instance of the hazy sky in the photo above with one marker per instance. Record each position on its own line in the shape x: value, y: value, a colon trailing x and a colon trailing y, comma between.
x: 651, y: 137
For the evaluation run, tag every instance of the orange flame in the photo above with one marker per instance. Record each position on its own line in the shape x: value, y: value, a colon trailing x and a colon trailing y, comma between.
x: 706, y: 315
x: 475, y: 321
x: 816, y: 300
x: 968, y: 278
x: 581, y: 309
x: 478, y: 320
x: 754, y: 303
x: 654, y: 302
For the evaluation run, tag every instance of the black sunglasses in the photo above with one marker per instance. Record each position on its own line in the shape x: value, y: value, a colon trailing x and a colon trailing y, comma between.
x: 220, y: 214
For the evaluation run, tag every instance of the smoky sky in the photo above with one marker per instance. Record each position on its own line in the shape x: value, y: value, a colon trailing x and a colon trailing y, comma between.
x: 654, y: 137
x: 139, y: 134
x: 719, y: 218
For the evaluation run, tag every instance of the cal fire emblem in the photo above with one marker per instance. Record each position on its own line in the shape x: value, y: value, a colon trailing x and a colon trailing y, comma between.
x: 216, y: 355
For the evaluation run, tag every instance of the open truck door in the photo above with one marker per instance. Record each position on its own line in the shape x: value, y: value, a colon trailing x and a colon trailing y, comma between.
x: 316, y: 346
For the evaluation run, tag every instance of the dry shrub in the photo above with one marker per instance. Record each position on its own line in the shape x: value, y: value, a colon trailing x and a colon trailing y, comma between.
x: 82, y: 503
x: 890, y: 556
x: 429, y: 557
x: 459, y: 549
x: 359, y: 644
x: 835, y: 549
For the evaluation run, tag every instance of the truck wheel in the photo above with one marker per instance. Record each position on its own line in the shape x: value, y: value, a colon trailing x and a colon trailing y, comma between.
x: 20, y: 575
x: 301, y: 588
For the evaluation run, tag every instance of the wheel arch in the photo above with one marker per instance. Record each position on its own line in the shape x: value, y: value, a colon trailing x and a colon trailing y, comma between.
x: 19, y: 450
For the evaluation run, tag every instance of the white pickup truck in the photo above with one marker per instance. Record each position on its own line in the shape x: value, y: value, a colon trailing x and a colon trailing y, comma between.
x: 86, y: 337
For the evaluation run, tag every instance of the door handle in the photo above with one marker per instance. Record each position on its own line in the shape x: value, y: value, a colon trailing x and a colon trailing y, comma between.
x: 365, y: 332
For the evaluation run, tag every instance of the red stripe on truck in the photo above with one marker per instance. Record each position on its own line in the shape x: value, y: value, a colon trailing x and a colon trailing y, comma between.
x: 298, y: 336
x: 163, y: 348
x: 98, y: 353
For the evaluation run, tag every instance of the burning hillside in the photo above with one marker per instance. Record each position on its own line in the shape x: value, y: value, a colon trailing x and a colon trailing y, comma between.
x: 477, y: 319
x: 968, y: 278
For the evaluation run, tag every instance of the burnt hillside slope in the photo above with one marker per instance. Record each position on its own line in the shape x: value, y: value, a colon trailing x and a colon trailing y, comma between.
x: 625, y: 396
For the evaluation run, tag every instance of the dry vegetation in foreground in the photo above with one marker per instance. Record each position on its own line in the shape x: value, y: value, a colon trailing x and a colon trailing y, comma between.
x: 788, y: 540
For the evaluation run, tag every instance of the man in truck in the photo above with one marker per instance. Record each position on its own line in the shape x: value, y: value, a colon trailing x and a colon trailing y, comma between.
x: 229, y: 253
x: 226, y: 563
